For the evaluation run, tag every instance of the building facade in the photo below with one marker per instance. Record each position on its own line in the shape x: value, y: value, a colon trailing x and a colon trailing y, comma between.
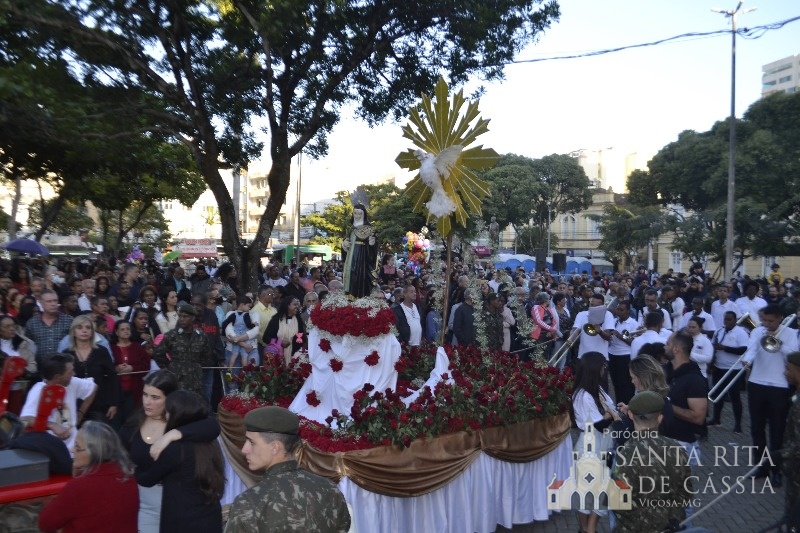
x: 782, y: 75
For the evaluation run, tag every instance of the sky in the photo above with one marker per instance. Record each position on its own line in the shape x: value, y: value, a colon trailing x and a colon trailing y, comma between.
x: 624, y: 102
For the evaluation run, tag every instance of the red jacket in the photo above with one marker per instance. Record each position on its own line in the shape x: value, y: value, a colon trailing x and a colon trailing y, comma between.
x: 98, y: 501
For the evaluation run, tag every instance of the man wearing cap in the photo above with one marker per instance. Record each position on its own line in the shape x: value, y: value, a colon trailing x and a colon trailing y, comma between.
x: 287, y: 498
x: 184, y: 350
x: 791, y: 446
x: 652, y: 510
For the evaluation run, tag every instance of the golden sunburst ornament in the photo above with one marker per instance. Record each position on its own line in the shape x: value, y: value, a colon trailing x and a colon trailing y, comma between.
x: 446, y: 182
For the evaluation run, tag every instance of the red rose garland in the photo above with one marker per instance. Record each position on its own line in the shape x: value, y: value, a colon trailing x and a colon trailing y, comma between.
x: 325, y: 345
x: 312, y: 400
x: 336, y: 364
x: 372, y: 359
x: 352, y: 320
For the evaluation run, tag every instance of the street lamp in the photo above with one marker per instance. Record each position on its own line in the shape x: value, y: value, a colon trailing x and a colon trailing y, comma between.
x: 732, y: 139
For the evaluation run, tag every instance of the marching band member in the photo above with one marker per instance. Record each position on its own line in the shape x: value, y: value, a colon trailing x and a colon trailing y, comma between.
x: 767, y: 390
x: 723, y: 304
x: 619, y: 352
x: 729, y: 342
x: 655, y: 333
x: 751, y: 302
x: 702, y: 352
x: 650, y: 306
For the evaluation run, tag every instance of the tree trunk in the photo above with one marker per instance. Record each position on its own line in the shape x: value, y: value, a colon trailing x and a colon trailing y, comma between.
x: 50, y: 216
x: 12, y: 219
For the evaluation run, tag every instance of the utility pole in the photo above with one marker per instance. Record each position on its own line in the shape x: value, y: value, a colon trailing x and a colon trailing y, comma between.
x: 729, y: 236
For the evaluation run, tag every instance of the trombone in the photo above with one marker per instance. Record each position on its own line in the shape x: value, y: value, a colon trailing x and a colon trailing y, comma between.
x: 556, y: 358
x: 773, y: 343
x: 627, y: 335
x: 592, y: 330
x: 733, y: 370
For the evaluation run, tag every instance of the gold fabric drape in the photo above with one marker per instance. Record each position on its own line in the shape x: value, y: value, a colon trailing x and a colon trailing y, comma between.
x: 422, y: 467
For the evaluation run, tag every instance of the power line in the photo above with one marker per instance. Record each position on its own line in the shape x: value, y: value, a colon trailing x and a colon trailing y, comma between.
x: 755, y: 32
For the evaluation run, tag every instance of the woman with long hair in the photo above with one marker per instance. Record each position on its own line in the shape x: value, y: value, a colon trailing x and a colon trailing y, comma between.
x: 591, y: 405
x: 148, y: 302
x: 102, y: 494
x: 285, y: 326
x: 113, y: 308
x: 146, y: 432
x: 226, y: 275
x: 167, y: 319
x: 388, y: 270
x: 142, y: 331
x: 192, y: 473
x: 20, y: 276
x: 130, y: 359
x: 102, y: 286
x: 93, y: 361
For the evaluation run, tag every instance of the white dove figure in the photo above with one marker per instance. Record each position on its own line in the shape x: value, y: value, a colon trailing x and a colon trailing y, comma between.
x: 433, y: 170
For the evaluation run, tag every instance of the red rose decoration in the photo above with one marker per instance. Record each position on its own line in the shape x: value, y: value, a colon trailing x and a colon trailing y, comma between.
x: 325, y: 345
x: 336, y: 364
x: 372, y: 359
x: 311, y: 399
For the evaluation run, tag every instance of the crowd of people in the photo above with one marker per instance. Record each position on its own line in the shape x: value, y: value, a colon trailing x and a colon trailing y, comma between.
x: 138, y: 346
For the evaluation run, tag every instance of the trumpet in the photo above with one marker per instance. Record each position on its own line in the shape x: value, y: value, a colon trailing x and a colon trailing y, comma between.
x: 773, y: 343
x: 747, y: 322
x: 627, y: 335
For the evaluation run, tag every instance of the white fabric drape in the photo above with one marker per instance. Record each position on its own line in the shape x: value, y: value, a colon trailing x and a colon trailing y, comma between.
x: 489, y: 492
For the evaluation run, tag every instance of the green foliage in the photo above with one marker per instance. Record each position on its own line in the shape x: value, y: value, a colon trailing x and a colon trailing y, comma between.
x: 626, y: 229
x: 530, y: 238
x: 528, y: 191
x: 200, y: 71
x: 692, y: 173
x: 389, y: 213
x: 71, y: 217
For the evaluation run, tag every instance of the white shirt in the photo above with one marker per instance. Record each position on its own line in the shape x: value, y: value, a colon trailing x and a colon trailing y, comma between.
x: 84, y: 304
x: 678, y: 306
x: 618, y: 346
x: 412, y: 317
x: 667, y: 318
x: 702, y: 352
x: 738, y: 337
x: 585, y: 408
x: 718, y: 310
x: 746, y: 305
x: 78, y: 388
x: 768, y: 367
x: 594, y: 343
x: 648, y: 337
x: 274, y: 283
x: 708, y: 325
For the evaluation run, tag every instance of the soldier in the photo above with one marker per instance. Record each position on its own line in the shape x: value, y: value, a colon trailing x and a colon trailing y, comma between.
x: 791, y: 448
x: 662, y: 508
x: 287, y: 498
x: 188, y: 349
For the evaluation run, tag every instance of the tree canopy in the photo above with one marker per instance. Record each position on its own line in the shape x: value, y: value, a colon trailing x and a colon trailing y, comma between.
x: 525, y: 192
x: 690, y: 176
x: 201, y: 70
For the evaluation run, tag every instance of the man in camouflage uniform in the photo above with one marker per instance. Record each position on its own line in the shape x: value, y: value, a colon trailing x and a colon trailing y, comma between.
x: 288, y: 498
x: 791, y: 446
x: 650, y: 511
x: 184, y: 350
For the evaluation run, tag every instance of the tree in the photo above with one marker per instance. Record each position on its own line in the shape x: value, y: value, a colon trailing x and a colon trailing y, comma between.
x: 626, y: 229
x: 70, y: 219
x: 691, y: 174
x: 530, y: 238
x: 389, y: 213
x: 201, y: 70
x: 534, y: 192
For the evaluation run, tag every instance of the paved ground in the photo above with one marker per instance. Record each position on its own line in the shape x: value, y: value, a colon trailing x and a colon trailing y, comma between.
x: 742, y: 513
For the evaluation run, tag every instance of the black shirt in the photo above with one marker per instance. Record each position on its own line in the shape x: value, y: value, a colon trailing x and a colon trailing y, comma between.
x: 685, y: 382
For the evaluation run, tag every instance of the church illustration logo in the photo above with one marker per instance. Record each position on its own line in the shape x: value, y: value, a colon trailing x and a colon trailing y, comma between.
x: 589, y: 486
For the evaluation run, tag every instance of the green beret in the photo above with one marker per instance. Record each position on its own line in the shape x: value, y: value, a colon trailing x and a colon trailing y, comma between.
x: 272, y: 419
x: 645, y: 403
x: 794, y: 358
x: 187, y: 308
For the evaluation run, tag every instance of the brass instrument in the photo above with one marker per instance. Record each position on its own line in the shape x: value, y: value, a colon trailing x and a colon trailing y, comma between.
x: 773, y: 343
x: 556, y: 358
x: 627, y: 335
x: 747, y: 322
x: 713, y: 397
x: 591, y: 329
